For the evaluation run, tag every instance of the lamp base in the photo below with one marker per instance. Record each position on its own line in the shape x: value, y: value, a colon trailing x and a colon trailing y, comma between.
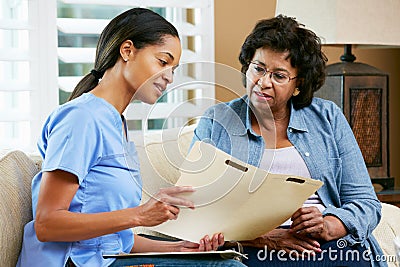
x: 386, y: 183
x: 361, y: 91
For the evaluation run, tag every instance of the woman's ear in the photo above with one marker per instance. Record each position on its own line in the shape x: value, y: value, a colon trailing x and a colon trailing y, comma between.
x: 299, y: 82
x: 127, y: 50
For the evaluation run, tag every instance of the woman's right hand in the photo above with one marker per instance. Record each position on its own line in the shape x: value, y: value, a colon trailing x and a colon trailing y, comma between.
x: 164, y: 206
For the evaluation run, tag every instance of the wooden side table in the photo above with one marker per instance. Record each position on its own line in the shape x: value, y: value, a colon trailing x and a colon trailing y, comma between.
x: 390, y: 196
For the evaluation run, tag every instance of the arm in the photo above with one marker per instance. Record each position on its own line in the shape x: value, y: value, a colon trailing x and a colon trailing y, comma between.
x: 143, y: 244
x: 310, y: 222
x: 357, y: 197
x: 347, y: 189
x: 54, y: 222
x: 283, y: 239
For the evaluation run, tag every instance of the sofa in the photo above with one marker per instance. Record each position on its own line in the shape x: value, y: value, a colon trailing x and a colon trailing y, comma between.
x: 160, y: 155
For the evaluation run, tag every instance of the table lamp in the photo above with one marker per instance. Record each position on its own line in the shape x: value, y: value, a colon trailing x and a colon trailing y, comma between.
x: 359, y: 89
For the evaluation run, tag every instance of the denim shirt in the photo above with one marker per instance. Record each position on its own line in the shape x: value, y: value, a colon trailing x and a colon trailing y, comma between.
x: 324, y: 139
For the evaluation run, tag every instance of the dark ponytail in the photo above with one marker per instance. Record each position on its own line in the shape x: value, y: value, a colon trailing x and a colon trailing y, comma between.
x: 140, y: 25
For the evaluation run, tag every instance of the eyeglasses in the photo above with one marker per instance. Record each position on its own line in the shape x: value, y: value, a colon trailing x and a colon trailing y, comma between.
x: 277, y: 77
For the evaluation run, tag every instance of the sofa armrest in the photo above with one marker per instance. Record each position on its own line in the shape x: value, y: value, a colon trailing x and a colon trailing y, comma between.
x: 17, y: 171
x: 388, y: 229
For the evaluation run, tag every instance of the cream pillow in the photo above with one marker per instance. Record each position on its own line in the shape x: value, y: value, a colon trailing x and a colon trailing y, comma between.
x: 160, y: 155
x: 16, y: 173
x: 387, y: 229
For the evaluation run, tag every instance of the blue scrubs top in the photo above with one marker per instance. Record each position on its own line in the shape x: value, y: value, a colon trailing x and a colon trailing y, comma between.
x: 85, y: 137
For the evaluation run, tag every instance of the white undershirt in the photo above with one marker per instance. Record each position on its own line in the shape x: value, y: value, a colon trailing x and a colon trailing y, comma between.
x: 288, y: 160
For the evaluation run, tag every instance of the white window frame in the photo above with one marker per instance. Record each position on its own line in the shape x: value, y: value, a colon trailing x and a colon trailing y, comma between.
x: 43, y: 56
x: 42, y: 83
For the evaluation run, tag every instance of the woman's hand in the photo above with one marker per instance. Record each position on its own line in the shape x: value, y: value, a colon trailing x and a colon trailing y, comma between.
x: 205, y: 244
x: 308, y: 221
x: 164, y: 206
x: 284, y: 239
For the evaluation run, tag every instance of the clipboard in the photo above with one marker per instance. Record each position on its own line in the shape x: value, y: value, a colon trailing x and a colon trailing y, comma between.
x: 234, y: 198
x: 224, y: 254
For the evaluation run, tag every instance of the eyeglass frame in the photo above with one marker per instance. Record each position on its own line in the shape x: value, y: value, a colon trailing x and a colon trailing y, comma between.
x: 271, y: 74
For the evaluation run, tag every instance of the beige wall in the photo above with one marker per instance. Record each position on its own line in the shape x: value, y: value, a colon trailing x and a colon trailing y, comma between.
x: 235, y: 19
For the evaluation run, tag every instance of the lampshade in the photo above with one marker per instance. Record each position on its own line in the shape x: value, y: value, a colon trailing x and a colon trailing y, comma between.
x: 357, y: 22
x: 359, y: 89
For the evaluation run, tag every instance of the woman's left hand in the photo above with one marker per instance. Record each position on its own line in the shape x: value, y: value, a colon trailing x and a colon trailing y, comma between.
x: 205, y: 244
x: 310, y: 222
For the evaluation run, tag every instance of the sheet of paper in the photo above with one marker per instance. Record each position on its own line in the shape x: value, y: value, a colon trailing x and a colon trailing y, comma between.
x: 225, y: 254
x: 234, y: 198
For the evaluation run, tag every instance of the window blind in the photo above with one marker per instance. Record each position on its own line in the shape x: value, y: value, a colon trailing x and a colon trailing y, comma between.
x: 27, y: 82
x: 195, y: 24
x: 48, y: 45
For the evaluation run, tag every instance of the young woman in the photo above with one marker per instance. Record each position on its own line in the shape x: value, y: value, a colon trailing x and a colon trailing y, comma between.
x: 86, y: 198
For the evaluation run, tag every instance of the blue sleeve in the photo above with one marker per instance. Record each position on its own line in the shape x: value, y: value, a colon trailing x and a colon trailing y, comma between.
x: 72, y: 141
x: 360, y: 209
x: 204, y: 128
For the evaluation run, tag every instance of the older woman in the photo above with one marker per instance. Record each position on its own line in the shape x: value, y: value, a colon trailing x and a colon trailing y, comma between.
x: 306, y: 136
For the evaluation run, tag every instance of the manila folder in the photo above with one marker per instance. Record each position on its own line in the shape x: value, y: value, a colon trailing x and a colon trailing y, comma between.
x: 234, y: 198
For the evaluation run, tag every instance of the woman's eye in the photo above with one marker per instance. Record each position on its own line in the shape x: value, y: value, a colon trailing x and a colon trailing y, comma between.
x: 163, y: 63
x: 258, y: 69
x: 280, y: 76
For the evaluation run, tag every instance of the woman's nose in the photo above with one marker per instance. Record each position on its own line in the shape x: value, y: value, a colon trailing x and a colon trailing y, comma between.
x: 265, y: 81
x: 168, y: 75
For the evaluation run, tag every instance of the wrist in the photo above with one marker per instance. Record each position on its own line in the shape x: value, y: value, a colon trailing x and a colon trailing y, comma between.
x: 333, y: 228
x: 135, y: 215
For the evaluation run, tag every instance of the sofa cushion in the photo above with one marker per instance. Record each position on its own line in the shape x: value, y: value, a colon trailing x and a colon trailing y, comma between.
x: 161, y: 153
x: 16, y: 173
x: 387, y: 229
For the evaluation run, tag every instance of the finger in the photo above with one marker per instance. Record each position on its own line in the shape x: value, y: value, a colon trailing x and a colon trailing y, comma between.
x: 304, y: 247
x: 207, y: 243
x: 298, y: 212
x: 175, y: 201
x: 314, y: 243
x: 221, y: 240
x: 174, y: 209
x: 303, y: 211
x: 303, y: 243
x: 314, y: 223
x: 202, y: 245
x: 315, y: 216
x: 215, y: 243
x: 173, y: 190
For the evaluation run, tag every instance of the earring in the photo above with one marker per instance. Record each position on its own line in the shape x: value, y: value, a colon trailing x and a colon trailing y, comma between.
x: 125, y: 59
x: 296, y: 92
